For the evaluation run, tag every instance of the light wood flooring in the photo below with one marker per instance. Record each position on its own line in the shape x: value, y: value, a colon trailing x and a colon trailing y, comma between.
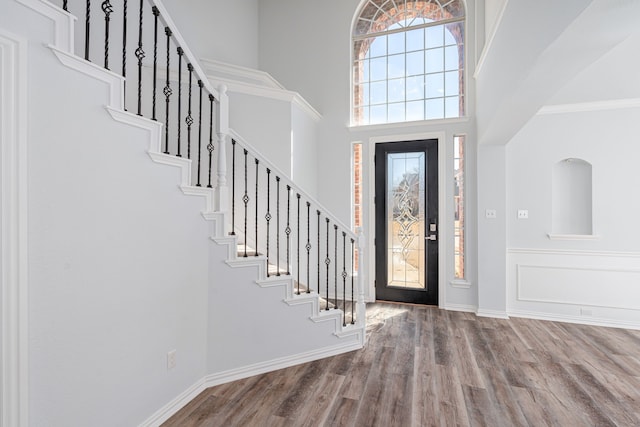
x: 423, y: 366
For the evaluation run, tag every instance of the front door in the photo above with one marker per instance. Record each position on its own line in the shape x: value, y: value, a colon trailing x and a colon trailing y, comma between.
x: 406, y: 206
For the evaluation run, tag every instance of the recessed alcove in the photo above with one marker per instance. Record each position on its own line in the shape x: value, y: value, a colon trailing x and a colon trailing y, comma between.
x: 572, y: 207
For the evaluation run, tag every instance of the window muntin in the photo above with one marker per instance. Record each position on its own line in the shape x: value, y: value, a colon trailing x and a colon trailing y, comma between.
x: 408, y: 61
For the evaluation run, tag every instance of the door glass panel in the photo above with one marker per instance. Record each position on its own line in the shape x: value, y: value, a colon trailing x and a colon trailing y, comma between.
x: 405, y: 216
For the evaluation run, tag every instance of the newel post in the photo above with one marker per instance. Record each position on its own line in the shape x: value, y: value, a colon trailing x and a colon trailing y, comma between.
x: 361, y: 316
x: 222, y: 131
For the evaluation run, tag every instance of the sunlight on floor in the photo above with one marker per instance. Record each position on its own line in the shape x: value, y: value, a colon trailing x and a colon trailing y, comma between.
x: 378, y: 314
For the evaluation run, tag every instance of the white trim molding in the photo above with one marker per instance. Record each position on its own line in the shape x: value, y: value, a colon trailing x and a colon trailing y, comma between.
x: 553, y: 236
x: 581, y: 107
x: 496, y: 314
x: 13, y: 220
x: 460, y: 283
x: 589, y: 287
x: 443, y: 236
x: 487, y: 46
x: 223, y: 377
x: 255, y: 82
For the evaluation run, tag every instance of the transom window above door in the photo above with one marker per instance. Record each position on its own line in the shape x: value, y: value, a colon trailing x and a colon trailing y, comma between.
x: 408, y: 61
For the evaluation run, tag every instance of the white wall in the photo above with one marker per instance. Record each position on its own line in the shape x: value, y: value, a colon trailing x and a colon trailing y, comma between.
x: 594, y: 118
x: 492, y: 232
x: 306, y: 46
x: 226, y: 31
x: 304, y: 149
x: 266, y: 124
x: 117, y: 255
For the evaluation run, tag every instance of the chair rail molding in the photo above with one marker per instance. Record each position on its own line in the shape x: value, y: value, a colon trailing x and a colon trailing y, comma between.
x: 13, y: 220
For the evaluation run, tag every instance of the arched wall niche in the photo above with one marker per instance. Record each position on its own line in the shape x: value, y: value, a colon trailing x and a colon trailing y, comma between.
x: 572, y: 197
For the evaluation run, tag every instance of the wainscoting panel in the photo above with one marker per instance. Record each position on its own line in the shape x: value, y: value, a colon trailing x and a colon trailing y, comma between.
x: 575, y: 286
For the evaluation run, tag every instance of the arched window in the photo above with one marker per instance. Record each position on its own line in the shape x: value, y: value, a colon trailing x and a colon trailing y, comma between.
x: 408, y: 61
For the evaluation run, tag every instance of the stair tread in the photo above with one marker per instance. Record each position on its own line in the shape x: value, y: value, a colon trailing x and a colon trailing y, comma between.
x: 273, y: 271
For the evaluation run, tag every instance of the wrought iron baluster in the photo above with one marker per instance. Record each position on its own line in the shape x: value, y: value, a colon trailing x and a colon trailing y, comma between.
x: 353, y: 263
x: 200, y: 86
x: 256, y: 241
x: 287, y: 230
x: 318, y: 251
x: 327, y: 261
x: 233, y: 187
x: 124, y: 49
x: 210, y: 145
x: 344, y: 278
x: 167, y: 90
x: 298, y: 245
x: 155, y: 12
x: 268, y: 214
x: 139, y: 54
x: 179, y: 124
x: 308, y: 248
x: 65, y: 5
x: 277, y: 225
x: 335, y: 264
x: 245, y: 199
x: 107, y: 8
x: 87, y: 29
x: 189, y: 119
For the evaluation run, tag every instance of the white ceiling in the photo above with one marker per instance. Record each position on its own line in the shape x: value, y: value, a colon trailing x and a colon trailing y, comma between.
x: 544, y: 51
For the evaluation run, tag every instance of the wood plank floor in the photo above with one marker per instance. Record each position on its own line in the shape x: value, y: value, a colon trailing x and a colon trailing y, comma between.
x: 423, y: 366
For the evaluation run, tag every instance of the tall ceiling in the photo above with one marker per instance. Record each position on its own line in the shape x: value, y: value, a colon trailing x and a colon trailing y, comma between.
x: 538, y: 48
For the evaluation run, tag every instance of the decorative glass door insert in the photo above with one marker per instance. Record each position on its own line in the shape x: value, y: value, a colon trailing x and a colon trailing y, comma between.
x: 406, y: 220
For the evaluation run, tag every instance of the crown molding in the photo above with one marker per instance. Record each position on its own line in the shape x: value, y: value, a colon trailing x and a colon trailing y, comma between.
x: 581, y: 107
x: 249, y: 81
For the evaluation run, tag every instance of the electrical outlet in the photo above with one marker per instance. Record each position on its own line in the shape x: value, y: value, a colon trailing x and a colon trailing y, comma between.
x: 586, y: 311
x: 171, y: 360
x: 523, y: 214
x: 491, y: 213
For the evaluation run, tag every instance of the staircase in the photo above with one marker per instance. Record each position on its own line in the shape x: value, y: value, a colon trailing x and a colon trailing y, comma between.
x: 283, y: 287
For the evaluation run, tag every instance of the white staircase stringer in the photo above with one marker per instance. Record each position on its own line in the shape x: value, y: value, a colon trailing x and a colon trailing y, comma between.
x: 232, y: 244
x: 219, y: 220
x: 183, y: 164
x: 114, y: 81
x: 288, y: 283
x: 63, y: 22
x: 260, y: 262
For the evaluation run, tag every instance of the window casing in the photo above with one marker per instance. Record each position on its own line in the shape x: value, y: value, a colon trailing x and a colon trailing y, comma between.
x: 408, y: 61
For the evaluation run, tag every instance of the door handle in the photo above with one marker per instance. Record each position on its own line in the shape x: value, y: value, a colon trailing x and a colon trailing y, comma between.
x: 431, y: 237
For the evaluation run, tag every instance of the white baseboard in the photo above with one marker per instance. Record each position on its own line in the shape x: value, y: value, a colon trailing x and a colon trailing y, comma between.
x: 167, y: 411
x: 492, y: 313
x: 575, y: 319
x: 279, y: 363
x: 461, y: 307
x: 171, y: 408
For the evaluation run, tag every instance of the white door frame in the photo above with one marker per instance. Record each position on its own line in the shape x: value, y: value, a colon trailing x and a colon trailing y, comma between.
x: 442, y: 199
